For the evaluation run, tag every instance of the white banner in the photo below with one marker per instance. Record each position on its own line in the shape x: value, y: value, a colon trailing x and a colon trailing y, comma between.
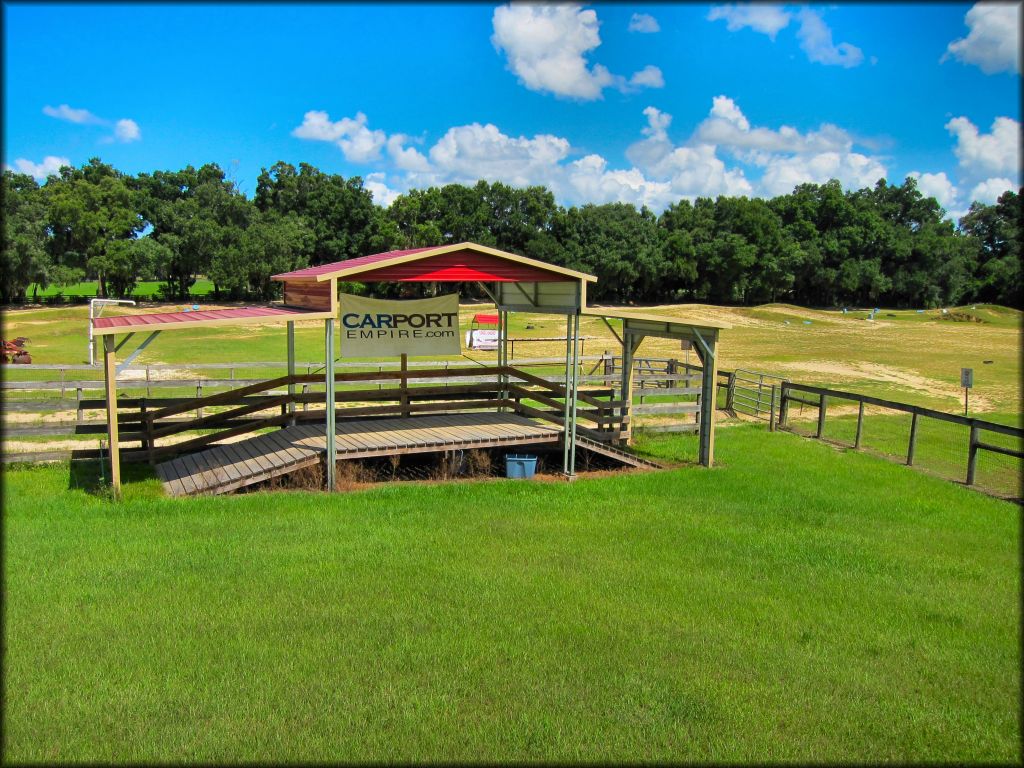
x: 388, y: 328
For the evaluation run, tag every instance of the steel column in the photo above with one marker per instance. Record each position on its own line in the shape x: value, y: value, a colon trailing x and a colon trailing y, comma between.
x: 568, y: 384
x: 575, y: 320
x: 329, y: 385
x: 291, y: 368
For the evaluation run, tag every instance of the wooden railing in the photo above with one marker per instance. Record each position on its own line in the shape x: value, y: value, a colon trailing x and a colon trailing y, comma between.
x: 819, y: 397
x: 146, y: 424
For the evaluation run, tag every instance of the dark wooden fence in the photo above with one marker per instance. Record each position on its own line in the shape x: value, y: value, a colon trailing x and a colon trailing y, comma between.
x: 963, y: 440
x: 663, y: 378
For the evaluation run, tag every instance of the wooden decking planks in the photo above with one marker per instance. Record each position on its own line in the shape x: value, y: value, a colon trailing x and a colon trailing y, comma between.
x: 226, y: 467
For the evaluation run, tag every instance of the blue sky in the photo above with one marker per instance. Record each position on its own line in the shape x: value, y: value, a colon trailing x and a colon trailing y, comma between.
x: 646, y: 104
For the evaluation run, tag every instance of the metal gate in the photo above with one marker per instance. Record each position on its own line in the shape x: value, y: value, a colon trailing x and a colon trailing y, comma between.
x: 755, y: 394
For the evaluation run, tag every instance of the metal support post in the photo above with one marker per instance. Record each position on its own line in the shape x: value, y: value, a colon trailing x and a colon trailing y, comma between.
x: 331, y: 456
x: 568, y: 384
x: 575, y: 385
x: 291, y: 370
x: 860, y: 425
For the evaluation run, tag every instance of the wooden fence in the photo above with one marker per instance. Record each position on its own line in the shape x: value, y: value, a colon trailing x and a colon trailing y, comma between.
x: 148, y: 419
x: 980, y: 438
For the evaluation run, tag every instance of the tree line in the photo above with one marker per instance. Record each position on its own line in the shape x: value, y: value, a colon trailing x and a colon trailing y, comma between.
x: 817, y: 246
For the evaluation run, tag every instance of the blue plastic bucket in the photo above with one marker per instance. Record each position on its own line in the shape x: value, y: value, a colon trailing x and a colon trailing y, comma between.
x: 520, y: 466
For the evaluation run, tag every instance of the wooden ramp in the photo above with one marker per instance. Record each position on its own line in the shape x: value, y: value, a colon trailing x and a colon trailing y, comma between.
x: 624, y: 457
x: 228, y: 467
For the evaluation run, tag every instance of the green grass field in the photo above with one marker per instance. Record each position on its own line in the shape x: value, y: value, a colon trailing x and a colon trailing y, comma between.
x: 144, y: 289
x: 796, y: 603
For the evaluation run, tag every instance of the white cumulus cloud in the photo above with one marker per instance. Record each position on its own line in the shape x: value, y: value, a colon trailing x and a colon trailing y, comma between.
x: 814, y: 34
x: 853, y: 170
x: 406, y: 158
x: 659, y: 171
x: 993, y: 42
x: 72, y: 115
x: 126, y: 130
x: 644, y: 23
x: 592, y: 181
x: 989, y: 190
x: 475, y: 151
x: 936, y: 185
x: 39, y: 171
x: 726, y: 126
x: 383, y: 195
x: 648, y: 77
x: 547, y: 47
x: 816, y: 41
x: 763, y: 18
x: 358, y: 143
x: 987, y: 154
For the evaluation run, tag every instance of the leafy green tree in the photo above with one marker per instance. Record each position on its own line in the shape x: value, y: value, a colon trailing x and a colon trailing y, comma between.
x: 124, y: 261
x: 618, y: 244
x: 88, y: 210
x: 270, y: 245
x: 25, y: 259
x: 340, y: 212
x: 198, y: 215
x: 996, y: 232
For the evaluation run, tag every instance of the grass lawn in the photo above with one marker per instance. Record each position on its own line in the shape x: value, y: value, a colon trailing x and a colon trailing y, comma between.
x: 144, y: 289
x: 795, y: 603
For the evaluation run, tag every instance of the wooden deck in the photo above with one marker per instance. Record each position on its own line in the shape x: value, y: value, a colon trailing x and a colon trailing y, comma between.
x: 227, y: 467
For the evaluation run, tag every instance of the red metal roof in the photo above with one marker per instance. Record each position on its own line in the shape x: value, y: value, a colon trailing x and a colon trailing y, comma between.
x: 457, y: 262
x: 156, y: 319
x: 460, y: 266
x: 360, y: 261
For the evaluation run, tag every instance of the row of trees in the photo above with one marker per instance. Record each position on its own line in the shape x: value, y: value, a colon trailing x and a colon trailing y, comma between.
x: 818, y: 245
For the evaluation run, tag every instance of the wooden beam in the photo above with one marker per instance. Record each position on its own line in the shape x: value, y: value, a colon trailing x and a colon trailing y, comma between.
x: 110, y: 382
x: 709, y: 394
x: 630, y: 343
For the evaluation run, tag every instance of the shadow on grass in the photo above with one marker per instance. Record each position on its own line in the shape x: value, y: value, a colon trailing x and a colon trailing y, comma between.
x: 93, y: 475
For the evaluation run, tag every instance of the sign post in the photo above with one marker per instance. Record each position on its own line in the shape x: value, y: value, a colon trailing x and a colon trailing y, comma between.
x: 966, y: 381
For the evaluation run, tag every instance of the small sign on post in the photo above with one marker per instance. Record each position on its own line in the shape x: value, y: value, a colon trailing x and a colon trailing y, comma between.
x: 966, y: 381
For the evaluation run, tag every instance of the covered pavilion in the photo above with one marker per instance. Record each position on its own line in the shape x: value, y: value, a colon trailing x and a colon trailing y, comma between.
x: 515, y: 284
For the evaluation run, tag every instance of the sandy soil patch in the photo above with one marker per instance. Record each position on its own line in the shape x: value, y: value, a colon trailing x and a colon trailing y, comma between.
x: 891, y: 374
